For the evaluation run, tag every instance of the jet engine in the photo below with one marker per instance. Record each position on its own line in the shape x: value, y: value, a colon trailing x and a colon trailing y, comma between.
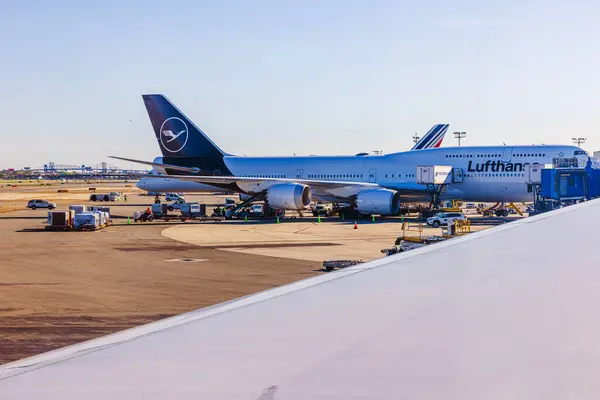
x: 378, y: 201
x: 289, y: 196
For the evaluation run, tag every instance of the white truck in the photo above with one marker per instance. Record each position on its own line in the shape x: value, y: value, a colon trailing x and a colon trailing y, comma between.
x: 112, y: 196
x: 322, y: 209
x: 445, y: 218
x: 176, y: 205
x: 173, y: 196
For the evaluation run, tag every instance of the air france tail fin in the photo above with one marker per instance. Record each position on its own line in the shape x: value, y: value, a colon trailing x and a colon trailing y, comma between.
x: 178, y: 136
x: 433, y: 138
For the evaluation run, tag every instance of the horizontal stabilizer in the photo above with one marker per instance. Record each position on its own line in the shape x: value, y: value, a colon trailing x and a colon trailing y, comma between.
x: 190, y: 170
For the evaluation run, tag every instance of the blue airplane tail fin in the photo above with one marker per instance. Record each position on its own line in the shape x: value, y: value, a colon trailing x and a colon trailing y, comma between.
x: 177, y: 136
x: 433, y: 138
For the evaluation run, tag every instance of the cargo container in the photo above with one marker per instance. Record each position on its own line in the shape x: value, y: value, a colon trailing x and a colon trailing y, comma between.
x: 78, y: 209
x: 160, y: 209
x: 103, y: 217
x: 193, y: 210
x: 100, y: 208
x: 103, y: 209
x: 60, y: 219
x: 87, y: 220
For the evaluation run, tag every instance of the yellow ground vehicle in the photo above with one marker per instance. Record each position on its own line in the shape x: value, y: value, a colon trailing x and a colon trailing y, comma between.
x: 451, y: 206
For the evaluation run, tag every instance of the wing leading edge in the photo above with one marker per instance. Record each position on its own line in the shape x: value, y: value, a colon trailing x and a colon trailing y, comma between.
x: 455, y: 330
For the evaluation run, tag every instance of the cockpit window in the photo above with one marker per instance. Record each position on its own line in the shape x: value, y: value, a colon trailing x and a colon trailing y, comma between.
x: 581, y: 152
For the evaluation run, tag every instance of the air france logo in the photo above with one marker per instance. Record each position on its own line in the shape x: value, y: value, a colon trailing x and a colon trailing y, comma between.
x: 173, y: 134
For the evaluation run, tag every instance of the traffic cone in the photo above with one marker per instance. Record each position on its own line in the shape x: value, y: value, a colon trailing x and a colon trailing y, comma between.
x: 355, y: 225
x: 318, y: 218
x: 128, y: 221
x: 278, y: 219
x: 342, y: 216
x: 372, y: 218
x: 245, y: 218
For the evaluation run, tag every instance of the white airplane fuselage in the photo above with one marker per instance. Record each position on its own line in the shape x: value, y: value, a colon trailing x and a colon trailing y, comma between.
x: 491, y: 173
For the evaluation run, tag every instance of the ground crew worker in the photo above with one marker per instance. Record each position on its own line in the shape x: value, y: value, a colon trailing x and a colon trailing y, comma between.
x: 125, y: 197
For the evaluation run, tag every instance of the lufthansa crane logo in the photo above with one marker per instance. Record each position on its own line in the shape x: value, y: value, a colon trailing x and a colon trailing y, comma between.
x: 173, y: 134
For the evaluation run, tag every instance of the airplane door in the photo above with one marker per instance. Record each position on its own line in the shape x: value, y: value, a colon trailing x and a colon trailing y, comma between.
x: 507, y: 154
x: 373, y: 175
x: 299, y: 173
x: 457, y: 175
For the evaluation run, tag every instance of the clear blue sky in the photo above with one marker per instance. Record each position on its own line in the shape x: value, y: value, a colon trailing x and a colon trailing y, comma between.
x: 278, y: 77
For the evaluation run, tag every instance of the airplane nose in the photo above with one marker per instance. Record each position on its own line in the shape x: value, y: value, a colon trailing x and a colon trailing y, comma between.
x: 141, y: 184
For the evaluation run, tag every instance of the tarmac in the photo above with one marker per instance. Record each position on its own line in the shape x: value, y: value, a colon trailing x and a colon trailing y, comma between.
x: 301, y: 240
x: 59, y: 288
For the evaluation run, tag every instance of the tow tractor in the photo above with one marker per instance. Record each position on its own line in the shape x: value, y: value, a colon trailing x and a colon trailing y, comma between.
x: 500, y: 210
x: 451, y: 206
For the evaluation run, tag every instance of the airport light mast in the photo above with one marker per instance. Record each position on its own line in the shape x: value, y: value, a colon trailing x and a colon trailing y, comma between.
x: 459, y: 135
x: 579, y: 141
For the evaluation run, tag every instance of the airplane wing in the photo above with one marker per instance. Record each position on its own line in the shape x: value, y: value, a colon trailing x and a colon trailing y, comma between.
x: 315, y: 183
x: 328, y: 190
x: 189, y: 170
x: 225, y: 180
x: 462, y: 319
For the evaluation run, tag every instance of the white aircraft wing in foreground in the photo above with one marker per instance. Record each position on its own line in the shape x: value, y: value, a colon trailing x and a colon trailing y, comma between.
x: 512, y: 312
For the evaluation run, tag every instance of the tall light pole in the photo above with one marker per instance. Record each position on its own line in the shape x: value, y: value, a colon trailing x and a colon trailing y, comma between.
x: 416, y: 138
x: 459, y: 135
x: 579, y: 141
